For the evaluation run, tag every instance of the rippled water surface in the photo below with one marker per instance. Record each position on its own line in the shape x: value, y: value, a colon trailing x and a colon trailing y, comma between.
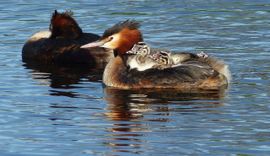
x: 55, y: 111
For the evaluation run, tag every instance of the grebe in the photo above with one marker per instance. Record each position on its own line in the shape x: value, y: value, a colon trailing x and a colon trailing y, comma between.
x: 200, y: 73
x: 61, y: 44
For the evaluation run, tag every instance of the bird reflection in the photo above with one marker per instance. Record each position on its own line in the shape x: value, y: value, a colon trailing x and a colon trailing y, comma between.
x: 132, y: 110
x: 131, y: 105
x: 62, y: 76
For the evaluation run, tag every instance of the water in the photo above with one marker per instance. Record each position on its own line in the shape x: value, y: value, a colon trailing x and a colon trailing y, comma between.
x: 49, y: 111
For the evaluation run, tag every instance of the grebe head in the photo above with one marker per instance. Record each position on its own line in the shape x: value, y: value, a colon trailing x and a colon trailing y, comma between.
x: 121, y: 37
x: 63, y: 25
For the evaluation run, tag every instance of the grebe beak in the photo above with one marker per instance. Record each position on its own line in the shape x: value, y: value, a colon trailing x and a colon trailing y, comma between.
x: 98, y: 43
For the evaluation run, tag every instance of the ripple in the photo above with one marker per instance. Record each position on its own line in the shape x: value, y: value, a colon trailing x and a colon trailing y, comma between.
x: 45, y: 111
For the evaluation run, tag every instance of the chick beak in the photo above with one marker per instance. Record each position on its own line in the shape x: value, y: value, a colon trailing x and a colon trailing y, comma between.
x: 98, y: 43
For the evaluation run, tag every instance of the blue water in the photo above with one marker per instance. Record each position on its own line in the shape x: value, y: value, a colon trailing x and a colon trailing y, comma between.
x: 60, y: 111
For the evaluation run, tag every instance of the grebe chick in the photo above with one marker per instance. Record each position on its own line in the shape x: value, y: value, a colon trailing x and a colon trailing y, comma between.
x: 140, y: 58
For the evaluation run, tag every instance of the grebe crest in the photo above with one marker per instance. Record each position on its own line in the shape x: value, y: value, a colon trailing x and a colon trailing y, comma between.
x: 64, y: 26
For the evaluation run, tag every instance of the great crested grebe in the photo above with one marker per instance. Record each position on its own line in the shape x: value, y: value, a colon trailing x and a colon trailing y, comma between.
x: 194, y: 73
x: 62, y: 42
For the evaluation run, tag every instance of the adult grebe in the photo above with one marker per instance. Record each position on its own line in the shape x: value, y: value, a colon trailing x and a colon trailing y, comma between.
x: 200, y: 73
x: 61, y: 44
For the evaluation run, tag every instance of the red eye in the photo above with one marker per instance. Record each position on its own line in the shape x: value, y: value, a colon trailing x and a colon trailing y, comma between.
x: 111, y: 38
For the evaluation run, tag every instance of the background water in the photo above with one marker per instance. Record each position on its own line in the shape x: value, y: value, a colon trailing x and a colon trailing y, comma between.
x: 60, y: 111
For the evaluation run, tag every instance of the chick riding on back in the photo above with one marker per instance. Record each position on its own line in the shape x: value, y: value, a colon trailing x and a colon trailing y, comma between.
x: 143, y: 58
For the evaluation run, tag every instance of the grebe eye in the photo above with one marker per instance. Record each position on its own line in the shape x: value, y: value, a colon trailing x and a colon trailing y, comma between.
x: 111, y: 38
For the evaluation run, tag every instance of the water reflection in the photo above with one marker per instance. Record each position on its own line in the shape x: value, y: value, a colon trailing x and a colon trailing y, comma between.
x: 158, y: 95
x: 62, y: 76
x: 133, y: 112
x: 129, y: 105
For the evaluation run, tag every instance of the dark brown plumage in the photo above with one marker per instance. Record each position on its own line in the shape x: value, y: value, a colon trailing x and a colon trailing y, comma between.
x: 63, y: 25
x: 62, y: 44
x: 128, y: 24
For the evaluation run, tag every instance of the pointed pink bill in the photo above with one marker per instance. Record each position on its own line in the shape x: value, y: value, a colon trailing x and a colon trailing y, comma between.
x: 93, y: 44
